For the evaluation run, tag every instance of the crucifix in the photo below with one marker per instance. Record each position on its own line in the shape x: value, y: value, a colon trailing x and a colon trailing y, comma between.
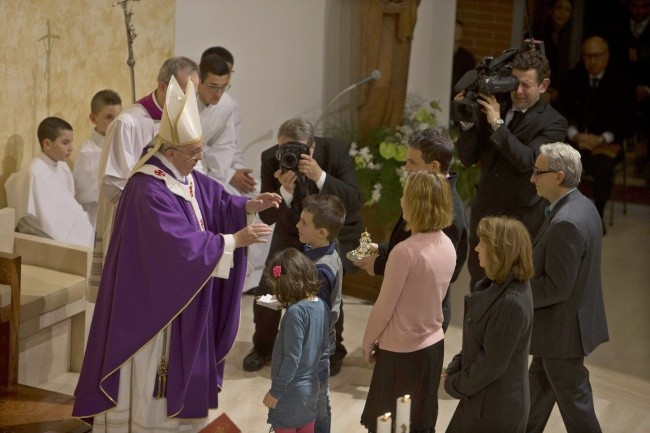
x: 48, y: 42
x: 130, y: 36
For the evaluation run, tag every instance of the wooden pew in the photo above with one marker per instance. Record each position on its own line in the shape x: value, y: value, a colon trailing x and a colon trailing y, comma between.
x: 25, y: 408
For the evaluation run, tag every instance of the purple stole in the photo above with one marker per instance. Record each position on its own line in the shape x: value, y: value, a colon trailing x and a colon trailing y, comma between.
x: 149, y: 104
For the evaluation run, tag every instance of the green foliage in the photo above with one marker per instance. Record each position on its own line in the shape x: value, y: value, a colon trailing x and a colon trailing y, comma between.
x: 467, y: 176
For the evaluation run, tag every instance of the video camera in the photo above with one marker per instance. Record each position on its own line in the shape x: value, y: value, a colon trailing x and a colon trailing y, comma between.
x: 490, y: 77
x: 289, y: 155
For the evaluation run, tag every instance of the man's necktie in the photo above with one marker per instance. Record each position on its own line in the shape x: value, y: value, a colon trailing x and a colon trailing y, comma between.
x: 594, y: 82
x: 516, y: 120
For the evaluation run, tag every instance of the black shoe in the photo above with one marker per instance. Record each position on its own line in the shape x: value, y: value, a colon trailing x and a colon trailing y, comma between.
x: 336, y: 360
x: 255, y: 361
x: 335, y: 366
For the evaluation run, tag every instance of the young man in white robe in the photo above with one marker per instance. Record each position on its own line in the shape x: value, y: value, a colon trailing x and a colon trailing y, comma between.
x: 42, y: 193
x: 105, y: 106
x: 223, y: 158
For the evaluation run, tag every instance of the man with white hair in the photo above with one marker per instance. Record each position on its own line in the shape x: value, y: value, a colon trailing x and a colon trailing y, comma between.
x: 569, y: 321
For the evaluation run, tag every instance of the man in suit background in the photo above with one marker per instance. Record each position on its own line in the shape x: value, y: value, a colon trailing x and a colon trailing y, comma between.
x: 597, y: 100
x: 327, y: 169
x: 505, y: 141
x: 569, y: 321
x: 428, y: 150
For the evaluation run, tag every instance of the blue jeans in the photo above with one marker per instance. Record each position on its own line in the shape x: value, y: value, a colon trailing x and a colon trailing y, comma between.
x: 323, y: 409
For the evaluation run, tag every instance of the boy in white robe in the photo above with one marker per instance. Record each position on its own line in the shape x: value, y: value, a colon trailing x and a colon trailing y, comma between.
x: 42, y: 193
x: 104, y: 108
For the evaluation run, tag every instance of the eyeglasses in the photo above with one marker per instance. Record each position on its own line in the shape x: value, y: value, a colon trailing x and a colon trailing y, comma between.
x: 538, y: 172
x: 193, y: 155
x: 216, y: 88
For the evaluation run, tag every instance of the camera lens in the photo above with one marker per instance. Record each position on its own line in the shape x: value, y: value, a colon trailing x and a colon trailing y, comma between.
x: 289, y: 160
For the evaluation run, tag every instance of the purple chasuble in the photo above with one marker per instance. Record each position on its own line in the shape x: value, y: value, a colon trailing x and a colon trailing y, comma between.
x: 158, y: 270
x: 150, y: 105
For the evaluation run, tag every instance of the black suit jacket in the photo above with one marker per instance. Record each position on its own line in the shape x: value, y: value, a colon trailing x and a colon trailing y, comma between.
x: 457, y: 232
x: 341, y: 181
x: 608, y: 107
x: 567, y: 290
x: 507, y: 159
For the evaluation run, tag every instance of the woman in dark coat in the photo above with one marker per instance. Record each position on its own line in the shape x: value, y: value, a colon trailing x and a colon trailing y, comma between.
x: 490, y: 375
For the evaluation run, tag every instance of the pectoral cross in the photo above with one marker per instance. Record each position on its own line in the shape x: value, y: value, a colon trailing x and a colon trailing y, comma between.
x: 130, y: 36
x: 48, y: 42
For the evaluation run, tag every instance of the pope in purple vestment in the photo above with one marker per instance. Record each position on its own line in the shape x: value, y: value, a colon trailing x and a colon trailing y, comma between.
x: 158, y: 272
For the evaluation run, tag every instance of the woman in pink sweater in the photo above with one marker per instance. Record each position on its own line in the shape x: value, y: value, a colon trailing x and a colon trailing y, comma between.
x: 404, y: 335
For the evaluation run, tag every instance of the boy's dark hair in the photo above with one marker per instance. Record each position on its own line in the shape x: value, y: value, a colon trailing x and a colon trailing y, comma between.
x: 221, y: 52
x: 50, y: 128
x: 294, y: 277
x: 104, y: 98
x: 435, y: 145
x: 532, y: 59
x: 213, y: 64
x: 328, y: 212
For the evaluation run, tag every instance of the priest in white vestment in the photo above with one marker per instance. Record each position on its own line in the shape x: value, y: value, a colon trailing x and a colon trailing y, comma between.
x: 42, y: 192
x: 222, y: 155
x: 126, y: 137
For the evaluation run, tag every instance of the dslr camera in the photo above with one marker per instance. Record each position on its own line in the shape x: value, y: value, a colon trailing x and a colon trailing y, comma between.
x: 492, y: 76
x: 289, y: 155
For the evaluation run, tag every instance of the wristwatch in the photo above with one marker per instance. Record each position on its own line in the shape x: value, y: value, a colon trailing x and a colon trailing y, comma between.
x: 497, y: 124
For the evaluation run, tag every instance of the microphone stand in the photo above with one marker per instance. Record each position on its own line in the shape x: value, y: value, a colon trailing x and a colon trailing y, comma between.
x: 341, y: 93
x: 375, y: 75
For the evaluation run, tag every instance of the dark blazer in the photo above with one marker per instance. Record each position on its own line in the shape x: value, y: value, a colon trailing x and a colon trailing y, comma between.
x: 457, y: 232
x: 341, y: 181
x: 608, y: 107
x: 490, y: 375
x: 567, y: 291
x: 507, y: 159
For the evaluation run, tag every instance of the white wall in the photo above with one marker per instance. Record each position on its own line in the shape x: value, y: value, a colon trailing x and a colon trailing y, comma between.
x: 432, y: 53
x: 282, y: 56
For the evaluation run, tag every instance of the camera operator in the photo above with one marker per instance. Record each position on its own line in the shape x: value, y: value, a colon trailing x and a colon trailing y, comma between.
x: 325, y: 168
x: 505, y: 140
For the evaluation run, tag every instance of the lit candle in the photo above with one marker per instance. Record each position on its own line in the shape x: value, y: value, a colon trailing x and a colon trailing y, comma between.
x: 403, y: 418
x: 384, y: 423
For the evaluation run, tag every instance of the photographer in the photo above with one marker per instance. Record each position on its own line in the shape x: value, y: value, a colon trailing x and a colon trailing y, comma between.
x: 325, y: 167
x: 505, y: 140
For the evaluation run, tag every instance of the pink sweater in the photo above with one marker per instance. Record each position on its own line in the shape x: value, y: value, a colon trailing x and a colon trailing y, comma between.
x: 407, y: 315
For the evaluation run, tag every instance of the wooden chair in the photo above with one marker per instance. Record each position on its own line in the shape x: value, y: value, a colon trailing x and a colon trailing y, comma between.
x: 25, y: 408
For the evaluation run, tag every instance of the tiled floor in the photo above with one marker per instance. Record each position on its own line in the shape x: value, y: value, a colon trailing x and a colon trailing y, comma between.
x: 620, y: 369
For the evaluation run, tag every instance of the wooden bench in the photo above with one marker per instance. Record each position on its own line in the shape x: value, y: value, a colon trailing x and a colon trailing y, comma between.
x: 25, y: 408
x: 53, y: 280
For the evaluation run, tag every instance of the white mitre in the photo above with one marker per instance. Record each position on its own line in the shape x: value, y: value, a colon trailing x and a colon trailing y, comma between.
x: 180, y: 124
